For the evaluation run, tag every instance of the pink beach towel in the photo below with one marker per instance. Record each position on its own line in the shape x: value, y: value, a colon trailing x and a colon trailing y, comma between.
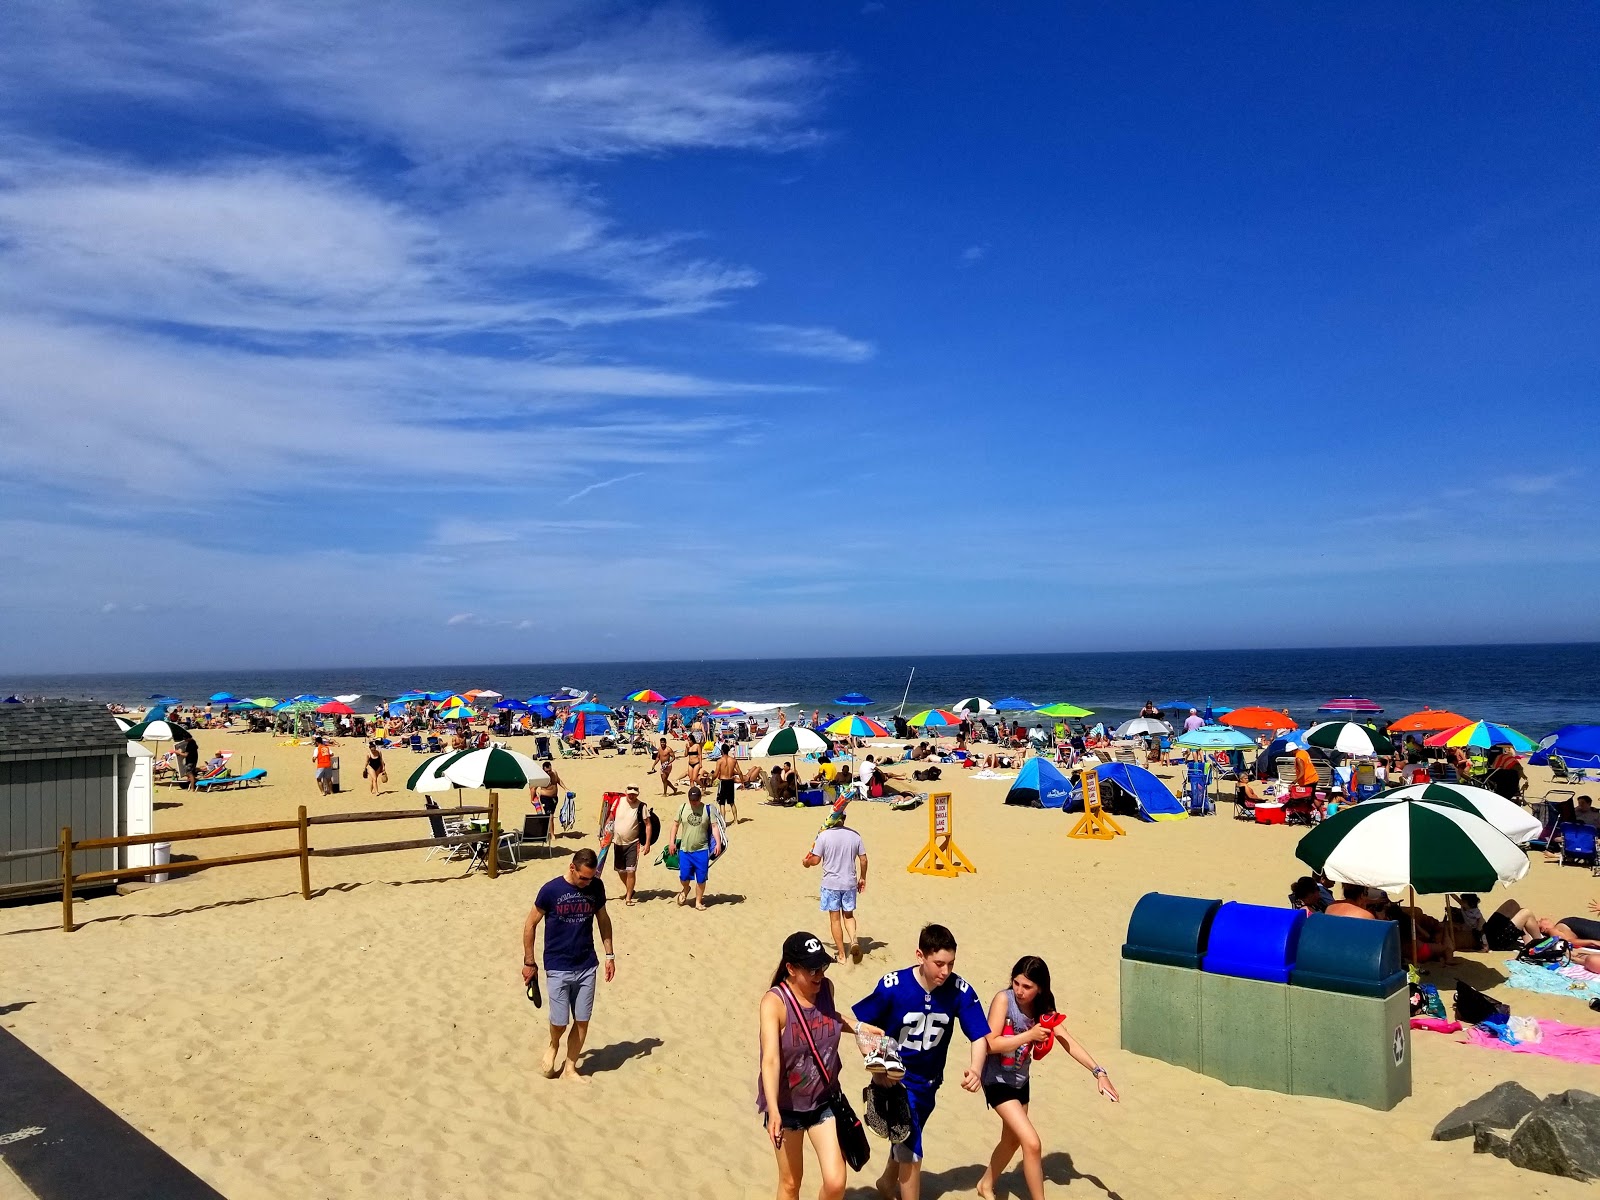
x: 1569, y: 1043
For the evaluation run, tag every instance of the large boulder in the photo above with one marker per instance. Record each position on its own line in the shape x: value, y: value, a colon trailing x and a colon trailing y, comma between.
x: 1490, y: 1141
x: 1560, y: 1137
x: 1499, y: 1108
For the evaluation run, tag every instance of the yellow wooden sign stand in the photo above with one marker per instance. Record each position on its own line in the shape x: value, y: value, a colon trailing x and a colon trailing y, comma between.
x: 941, y: 856
x: 1096, y: 824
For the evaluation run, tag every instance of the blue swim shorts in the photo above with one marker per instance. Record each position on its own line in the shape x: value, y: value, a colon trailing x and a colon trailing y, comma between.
x: 694, y: 864
x: 840, y: 901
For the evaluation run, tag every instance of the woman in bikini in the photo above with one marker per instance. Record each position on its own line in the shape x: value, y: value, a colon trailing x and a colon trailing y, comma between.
x: 692, y: 769
x: 1016, y: 1036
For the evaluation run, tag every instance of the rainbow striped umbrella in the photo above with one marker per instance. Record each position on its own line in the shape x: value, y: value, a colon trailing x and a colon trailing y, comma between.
x: 1482, y: 733
x: 855, y: 727
x: 726, y: 710
x: 934, y: 716
x: 456, y: 712
x: 646, y: 696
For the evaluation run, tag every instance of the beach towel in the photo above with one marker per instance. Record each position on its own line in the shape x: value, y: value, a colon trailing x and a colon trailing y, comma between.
x: 1566, y: 981
x: 1569, y: 1043
x: 988, y: 774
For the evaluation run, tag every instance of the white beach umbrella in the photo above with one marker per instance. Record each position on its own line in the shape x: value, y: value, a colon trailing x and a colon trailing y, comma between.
x: 427, y: 777
x: 1140, y: 726
x: 1516, y: 822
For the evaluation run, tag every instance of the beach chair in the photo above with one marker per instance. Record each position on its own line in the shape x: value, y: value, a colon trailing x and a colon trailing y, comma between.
x: 435, y: 744
x: 227, y: 781
x: 1200, y: 804
x: 1366, y: 781
x: 1324, y: 773
x: 441, y: 829
x: 1126, y: 754
x: 538, y: 829
x: 1559, y: 771
x: 1550, y: 810
x: 1577, y: 844
x: 1285, y: 769
x: 541, y: 745
x: 1244, y: 803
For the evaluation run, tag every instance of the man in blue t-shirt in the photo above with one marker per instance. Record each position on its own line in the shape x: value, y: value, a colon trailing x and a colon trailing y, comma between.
x: 569, y: 906
x: 916, y: 1007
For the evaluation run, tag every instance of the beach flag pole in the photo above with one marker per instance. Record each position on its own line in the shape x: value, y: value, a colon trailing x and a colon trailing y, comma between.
x: 901, y: 710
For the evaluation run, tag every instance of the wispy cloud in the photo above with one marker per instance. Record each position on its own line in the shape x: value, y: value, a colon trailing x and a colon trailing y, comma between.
x: 975, y: 254
x: 811, y: 341
x: 604, y: 483
x: 1535, y: 484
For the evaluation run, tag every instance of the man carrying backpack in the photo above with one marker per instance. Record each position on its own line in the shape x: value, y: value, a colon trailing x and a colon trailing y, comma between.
x: 631, y: 839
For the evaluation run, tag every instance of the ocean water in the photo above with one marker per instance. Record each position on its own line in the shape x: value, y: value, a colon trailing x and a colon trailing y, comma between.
x: 1531, y: 688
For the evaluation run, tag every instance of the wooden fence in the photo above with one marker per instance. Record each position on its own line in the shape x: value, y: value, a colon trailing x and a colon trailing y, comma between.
x: 302, y: 850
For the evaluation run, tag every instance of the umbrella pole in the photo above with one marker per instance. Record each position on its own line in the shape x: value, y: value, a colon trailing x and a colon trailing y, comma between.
x: 906, y: 694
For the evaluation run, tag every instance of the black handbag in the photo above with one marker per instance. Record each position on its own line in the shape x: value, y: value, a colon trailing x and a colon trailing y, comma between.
x: 852, y: 1136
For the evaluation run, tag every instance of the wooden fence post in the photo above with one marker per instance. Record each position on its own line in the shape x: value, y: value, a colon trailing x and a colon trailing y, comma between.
x: 66, y: 879
x: 494, y: 835
x: 305, y: 858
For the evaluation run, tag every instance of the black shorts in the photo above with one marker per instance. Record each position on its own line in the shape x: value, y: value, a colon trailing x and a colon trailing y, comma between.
x: 802, y: 1119
x: 996, y: 1094
x: 626, y: 858
x: 725, y: 793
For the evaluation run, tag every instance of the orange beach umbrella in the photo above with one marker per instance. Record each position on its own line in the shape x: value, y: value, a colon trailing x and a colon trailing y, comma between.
x: 1258, y: 718
x: 1429, y: 720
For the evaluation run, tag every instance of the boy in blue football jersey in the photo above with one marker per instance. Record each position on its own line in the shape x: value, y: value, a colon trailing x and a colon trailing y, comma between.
x: 916, y: 1007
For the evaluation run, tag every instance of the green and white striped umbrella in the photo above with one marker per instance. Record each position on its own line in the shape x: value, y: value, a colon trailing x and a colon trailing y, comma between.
x: 973, y: 704
x: 790, y: 740
x: 494, y: 769
x: 1516, y: 822
x: 1393, y: 844
x: 1348, y: 737
x: 427, y: 777
x: 155, y: 728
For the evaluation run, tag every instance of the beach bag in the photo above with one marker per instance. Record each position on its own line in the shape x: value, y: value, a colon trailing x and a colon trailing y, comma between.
x: 852, y: 1135
x: 1474, y: 1008
x: 1546, y: 952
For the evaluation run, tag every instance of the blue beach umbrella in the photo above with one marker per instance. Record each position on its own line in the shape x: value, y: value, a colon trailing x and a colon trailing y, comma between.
x: 1215, y: 737
x: 159, y: 699
x: 590, y: 706
x: 224, y: 698
x: 409, y: 698
x: 1575, y: 745
x: 513, y: 705
x: 1014, y: 704
x: 853, y: 700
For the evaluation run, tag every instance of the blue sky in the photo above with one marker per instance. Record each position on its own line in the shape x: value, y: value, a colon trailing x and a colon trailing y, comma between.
x: 405, y: 332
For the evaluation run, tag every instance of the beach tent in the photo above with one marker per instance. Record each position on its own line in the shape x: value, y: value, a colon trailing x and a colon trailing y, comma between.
x: 586, y: 724
x: 1127, y: 790
x: 1575, y: 745
x: 1040, y: 785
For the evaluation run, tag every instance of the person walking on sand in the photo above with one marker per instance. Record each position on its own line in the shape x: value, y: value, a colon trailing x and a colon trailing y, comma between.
x: 630, y: 840
x: 322, y: 757
x: 728, y: 784
x: 664, y: 757
x: 843, y: 856
x: 375, y: 771
x: 1016, y: 1036
x: 696, y: 841
x: 800, y: 1025
x: 543, y: 796
x: 917, y: 1005
x: 569, y: 907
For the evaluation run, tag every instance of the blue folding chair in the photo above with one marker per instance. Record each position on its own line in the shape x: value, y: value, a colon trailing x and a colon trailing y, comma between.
x: 1200, y: 804
x: 1577, y: 844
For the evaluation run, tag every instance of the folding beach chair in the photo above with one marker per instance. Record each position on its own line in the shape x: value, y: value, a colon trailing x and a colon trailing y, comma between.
x: 1366, y: 781
x: 1577, y: 844
x: 1550, y: 809
x: 1285, y: 769
x: 1200, y: 804
x: 441, y: 829
x: 1126, y: 754
x: 1559, y: 771
x: 538, y: 829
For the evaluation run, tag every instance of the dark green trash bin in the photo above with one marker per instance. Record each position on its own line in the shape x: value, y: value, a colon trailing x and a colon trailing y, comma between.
x: 1350, y: 1013
x: 1161, y: 977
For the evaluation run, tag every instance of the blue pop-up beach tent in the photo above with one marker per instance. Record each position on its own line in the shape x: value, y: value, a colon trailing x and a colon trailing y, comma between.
x: 1040, y: 785
x: 1143, y: 794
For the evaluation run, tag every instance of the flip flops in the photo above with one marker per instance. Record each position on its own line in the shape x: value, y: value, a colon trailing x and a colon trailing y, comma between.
x: 1050, y: 1021
x: 534, y: 994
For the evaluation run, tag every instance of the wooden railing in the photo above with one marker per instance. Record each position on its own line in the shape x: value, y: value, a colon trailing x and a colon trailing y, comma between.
x: 302, y: 850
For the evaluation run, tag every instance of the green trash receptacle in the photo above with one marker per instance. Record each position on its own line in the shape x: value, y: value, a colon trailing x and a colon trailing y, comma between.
x: 1160, y: 977
x: 1350, y: 1013
x: 1244, y: 995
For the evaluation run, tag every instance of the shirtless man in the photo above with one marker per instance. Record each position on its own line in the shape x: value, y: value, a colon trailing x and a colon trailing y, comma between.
x: 1351, y: 903
x: 664, y: 757
x: 728, y: 784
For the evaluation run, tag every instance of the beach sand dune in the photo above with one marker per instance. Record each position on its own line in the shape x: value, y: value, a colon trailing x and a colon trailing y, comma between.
x: 376, y: 1041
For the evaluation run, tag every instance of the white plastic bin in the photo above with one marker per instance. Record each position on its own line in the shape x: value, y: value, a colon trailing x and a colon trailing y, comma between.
x: 160, y: 856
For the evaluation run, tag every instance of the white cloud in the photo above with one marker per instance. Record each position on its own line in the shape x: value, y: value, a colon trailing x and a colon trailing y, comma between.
x: 809, y: 341
x: 1535, y: 485
x: 604, y: 483
x: 973, y: 255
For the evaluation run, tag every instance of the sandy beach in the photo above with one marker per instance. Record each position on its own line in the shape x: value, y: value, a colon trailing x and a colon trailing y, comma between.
x: 376, y: 1042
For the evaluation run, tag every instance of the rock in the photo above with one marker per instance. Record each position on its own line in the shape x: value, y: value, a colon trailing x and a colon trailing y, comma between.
x: 1499, y: 1108
x: 1487, y: 1141
x: 1560, y: 1138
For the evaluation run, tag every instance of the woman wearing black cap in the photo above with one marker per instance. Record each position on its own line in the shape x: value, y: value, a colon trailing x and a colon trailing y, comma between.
x: 794, y: 1087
